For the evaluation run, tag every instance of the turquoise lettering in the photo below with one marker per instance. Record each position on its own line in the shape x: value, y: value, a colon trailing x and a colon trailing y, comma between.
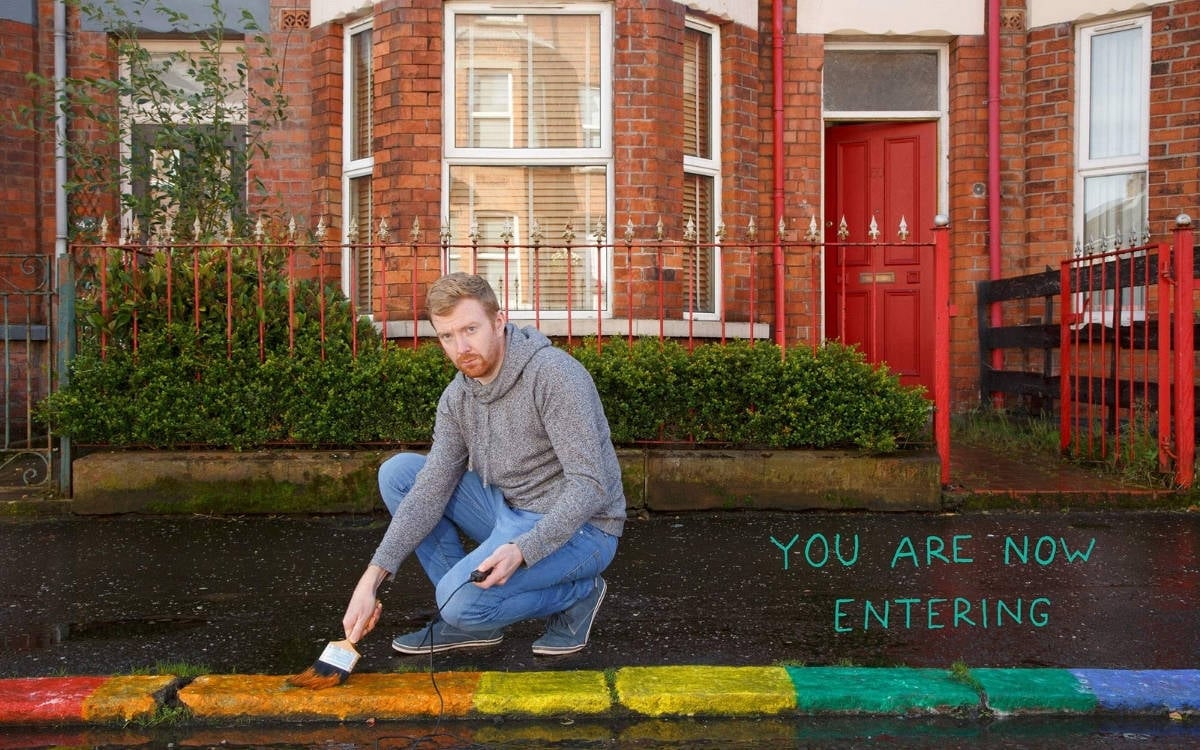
x: 956, y: 539
x: 1011, y: 548
x: 933, y: 614
x: 808, y: 550
x: 962, y: 608
x: 905, y: 549
x: 1039, y: 619
x: 1078, y: 555
x: 785, y: 549
x: 868, y: 608
x: 838, y: 614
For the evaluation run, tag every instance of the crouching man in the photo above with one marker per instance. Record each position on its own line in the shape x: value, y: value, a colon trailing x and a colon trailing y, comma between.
x: 521, y: 463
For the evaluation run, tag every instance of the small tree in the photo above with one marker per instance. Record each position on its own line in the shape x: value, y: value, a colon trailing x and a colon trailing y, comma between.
x: 173, y: 132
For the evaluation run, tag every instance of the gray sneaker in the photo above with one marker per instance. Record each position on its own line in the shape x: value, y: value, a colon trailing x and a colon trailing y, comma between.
x: 438, y: 637
x: 567, y: 631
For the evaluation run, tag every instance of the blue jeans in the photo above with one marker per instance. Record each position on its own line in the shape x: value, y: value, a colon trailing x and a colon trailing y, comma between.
x: 481, y: 514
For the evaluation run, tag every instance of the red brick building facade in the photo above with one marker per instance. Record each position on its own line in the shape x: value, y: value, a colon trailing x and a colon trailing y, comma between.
x: 779, y: 156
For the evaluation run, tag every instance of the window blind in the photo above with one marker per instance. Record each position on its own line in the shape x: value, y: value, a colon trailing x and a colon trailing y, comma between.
x: 521, y: 80
x: 489, y: 198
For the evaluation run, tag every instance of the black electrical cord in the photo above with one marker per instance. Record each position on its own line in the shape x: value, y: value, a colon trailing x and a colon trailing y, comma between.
x: 414, y: 742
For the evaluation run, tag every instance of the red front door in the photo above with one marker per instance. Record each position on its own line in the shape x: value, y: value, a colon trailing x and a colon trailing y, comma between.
x: 879, y: 296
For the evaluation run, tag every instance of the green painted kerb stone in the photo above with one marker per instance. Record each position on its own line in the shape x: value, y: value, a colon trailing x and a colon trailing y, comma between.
x: 1034, y: 691
x: 542, y: 693
x: 711, y: 691
x: 878, y: 690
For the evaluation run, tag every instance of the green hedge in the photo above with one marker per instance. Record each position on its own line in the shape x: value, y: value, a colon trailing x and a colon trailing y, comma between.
x: 185, y: 384
x: 178, y: 392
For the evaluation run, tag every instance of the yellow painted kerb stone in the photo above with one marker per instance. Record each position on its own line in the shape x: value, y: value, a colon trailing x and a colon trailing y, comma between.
x: 363, y: 696
x: 124, y: 699
x: 542, y: 693
x: 690, y: 690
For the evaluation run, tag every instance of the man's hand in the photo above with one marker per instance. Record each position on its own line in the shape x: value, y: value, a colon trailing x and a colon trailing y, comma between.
x: 364, y: 609
x: 500, y: 565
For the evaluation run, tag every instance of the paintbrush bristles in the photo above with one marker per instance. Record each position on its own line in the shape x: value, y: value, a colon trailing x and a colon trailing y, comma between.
x: 310, y: 679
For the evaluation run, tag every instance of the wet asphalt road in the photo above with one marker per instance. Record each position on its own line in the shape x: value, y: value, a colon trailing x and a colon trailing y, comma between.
x: 264, y: 594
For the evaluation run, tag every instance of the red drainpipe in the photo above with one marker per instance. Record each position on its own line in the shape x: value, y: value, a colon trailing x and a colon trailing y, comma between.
x: 777, y: 157
x: 993, y: 157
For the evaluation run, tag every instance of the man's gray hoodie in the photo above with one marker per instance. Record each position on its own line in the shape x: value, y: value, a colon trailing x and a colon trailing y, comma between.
x: 537, y: 433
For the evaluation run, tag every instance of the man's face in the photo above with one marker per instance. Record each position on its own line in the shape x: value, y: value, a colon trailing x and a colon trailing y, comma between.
x: 473, y: 340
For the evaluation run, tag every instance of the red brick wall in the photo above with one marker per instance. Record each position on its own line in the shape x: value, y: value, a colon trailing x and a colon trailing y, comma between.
x: 19, y: 232
x: 408, y: 48
x: 803, y: 141
x: 1174, y: 116
x: 325, y: 124
x: 968, y: 210
x: 286, y: 176
x: 1049, y: 139
x: 743, y: 167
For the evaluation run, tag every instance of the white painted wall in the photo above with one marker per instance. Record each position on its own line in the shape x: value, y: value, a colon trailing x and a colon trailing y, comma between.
x: 876, y: 17
x: 744, y: 12
x: 1050, y: 12
x: 324, y: 11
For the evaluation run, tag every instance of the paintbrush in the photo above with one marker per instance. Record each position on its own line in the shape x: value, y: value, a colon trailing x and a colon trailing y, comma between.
x: 333, y: 667
x: 336, y: 662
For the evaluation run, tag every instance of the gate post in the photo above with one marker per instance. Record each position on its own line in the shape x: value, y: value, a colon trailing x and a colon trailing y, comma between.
x: 1185, y: 363
x: 64, y: 352
x: 941, y: 346
x: 1166, y: 307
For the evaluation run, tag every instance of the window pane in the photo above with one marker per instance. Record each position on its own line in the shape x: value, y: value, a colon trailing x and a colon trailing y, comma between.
x: 881, y: 80
x: 1116, y: 94
x: 700, y: 260
x: 1114, y: 207
x: 548, y: 64
x: 697, y: 92
x: 362, y: 93
x: 362, y: 213
x: 490, y: 198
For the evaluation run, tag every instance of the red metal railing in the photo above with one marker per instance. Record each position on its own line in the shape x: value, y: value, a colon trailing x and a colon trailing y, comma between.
x: 1127, y: 355
x: 683, y: 290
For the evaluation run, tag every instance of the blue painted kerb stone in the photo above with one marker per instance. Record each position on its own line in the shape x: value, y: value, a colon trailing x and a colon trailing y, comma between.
x: 1142, y: 690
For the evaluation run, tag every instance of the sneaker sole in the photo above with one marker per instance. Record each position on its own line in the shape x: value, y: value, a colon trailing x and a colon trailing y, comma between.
x: 438, y: 648
x: 564, y: 650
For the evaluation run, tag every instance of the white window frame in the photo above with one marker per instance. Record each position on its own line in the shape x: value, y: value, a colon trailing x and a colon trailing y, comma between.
x: 583, y: 158
x: 1097, y: 307
x: 711, y: 166
x: 351, y: 168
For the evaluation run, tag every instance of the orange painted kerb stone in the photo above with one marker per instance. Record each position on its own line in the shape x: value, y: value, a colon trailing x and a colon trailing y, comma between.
x: 362, y: 697
x: 33, y: 700
x: 124, y: 699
